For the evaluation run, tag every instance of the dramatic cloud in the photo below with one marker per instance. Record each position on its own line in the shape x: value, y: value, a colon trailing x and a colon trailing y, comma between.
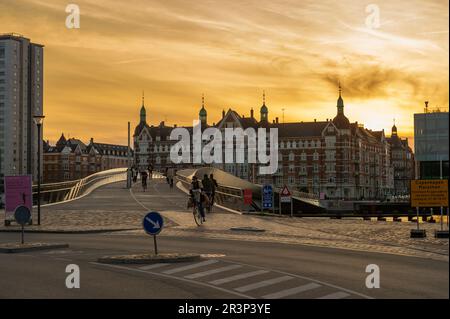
x: 176, y: 50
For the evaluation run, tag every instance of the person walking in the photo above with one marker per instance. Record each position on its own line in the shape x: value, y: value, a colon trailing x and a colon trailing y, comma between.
x: 144, y: 176
x: 170, y: 176
x: 214, y: 186
x: 207, y: 188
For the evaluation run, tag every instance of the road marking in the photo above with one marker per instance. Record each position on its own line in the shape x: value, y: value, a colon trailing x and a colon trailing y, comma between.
x: 263, y: 283
x: 213, y: 271
x: 238, y: 277
x: 302, y: 277
x: 148, y: 267
x: 195, y: 282
x: 292, y: 291
x: 336, y: 295
x: 196, y: 265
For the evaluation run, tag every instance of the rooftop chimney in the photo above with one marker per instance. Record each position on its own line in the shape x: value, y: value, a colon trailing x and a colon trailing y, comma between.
x: 276, y: 120
x: 223, y: 113
x: 251, y: 113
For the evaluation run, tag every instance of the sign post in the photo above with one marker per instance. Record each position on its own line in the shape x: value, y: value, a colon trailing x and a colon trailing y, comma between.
x: 267, y: 197
x: 153, y: 224
x: 429, y: 193
x: 18, y: 192
x: 22, y: 216
x: 286, y: 197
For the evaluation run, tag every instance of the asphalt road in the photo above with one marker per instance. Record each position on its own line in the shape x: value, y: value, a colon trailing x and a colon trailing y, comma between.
x: 231, y: 269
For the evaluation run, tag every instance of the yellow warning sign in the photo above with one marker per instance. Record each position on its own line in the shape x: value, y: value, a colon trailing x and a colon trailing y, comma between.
x: 429, y: 193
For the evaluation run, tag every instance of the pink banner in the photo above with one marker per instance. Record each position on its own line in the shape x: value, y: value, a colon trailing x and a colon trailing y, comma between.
x: 18, y: 192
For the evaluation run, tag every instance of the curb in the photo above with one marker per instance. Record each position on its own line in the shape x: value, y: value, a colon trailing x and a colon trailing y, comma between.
x: 149, y: 259
x: 250, y: 229
x: 49, y: 231
x: 30, y: 247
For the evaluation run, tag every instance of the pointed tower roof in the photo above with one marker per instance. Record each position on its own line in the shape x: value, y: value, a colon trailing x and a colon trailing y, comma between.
x: 62, y: 140
x: 143, y: 110
x: 340, y: 101
x: 341, y: 121
x: 394, y: 129
x: 203, y: 110
x: 264, y: 108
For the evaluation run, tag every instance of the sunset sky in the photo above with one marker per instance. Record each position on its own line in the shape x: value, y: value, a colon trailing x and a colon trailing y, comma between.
x: 232, y: 50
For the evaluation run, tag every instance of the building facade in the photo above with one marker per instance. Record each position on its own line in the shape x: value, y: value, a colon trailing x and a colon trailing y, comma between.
x: 334, y: 159
x: 21, y: 98
x: 431, y: 144
x: 402, y: 158
x: 71, y: 159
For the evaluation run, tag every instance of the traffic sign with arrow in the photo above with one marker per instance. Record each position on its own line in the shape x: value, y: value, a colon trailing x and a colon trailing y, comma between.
x: 153, y: 224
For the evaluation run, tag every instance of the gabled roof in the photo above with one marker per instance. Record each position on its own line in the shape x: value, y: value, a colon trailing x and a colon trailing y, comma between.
x: 139, y: 128
x: 300, y: 129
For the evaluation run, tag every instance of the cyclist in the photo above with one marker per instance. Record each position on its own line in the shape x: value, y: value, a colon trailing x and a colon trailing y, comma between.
x: 207, y: 188
x: 144, y: 176
x: 198, y: 196
x: 214, y: 186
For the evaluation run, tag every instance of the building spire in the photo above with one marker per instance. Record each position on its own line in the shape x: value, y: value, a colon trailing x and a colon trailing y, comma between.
x: 264, y: 97
x: 203, y: 100
x: 143, y: 98
x: 340, y: 89
x: 143, y: 113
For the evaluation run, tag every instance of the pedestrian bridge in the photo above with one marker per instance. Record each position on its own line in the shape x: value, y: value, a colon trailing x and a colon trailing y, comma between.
x: 71, y: 190
x: 230, y: 192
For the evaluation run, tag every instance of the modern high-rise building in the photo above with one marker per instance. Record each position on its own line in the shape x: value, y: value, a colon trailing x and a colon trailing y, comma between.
x: 431, y: 143
x: 21, y: 98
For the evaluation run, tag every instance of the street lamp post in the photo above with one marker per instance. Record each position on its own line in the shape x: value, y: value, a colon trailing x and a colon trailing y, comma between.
x: 38, y: 120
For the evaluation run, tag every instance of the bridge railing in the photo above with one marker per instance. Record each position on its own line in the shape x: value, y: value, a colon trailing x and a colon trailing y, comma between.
x: 64, y: 191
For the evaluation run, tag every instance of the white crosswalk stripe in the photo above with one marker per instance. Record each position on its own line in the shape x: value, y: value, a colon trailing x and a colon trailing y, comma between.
x: 211, y: 272
x: 188, y: 267
x: 263, y: 283
x: 238, y: 277
x: 154, y: 266
x: 292, y: 291
x: 336, y: 295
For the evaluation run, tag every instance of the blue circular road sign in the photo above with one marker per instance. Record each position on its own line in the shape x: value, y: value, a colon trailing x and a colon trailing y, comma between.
x: 153, y: 223
x: 22, y: 215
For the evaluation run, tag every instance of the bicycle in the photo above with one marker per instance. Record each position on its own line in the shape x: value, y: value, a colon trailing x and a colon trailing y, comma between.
x: 196, y: 210
x: 197, y: 216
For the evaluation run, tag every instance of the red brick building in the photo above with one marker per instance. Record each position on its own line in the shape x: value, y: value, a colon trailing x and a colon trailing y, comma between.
x: 71, y: 159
